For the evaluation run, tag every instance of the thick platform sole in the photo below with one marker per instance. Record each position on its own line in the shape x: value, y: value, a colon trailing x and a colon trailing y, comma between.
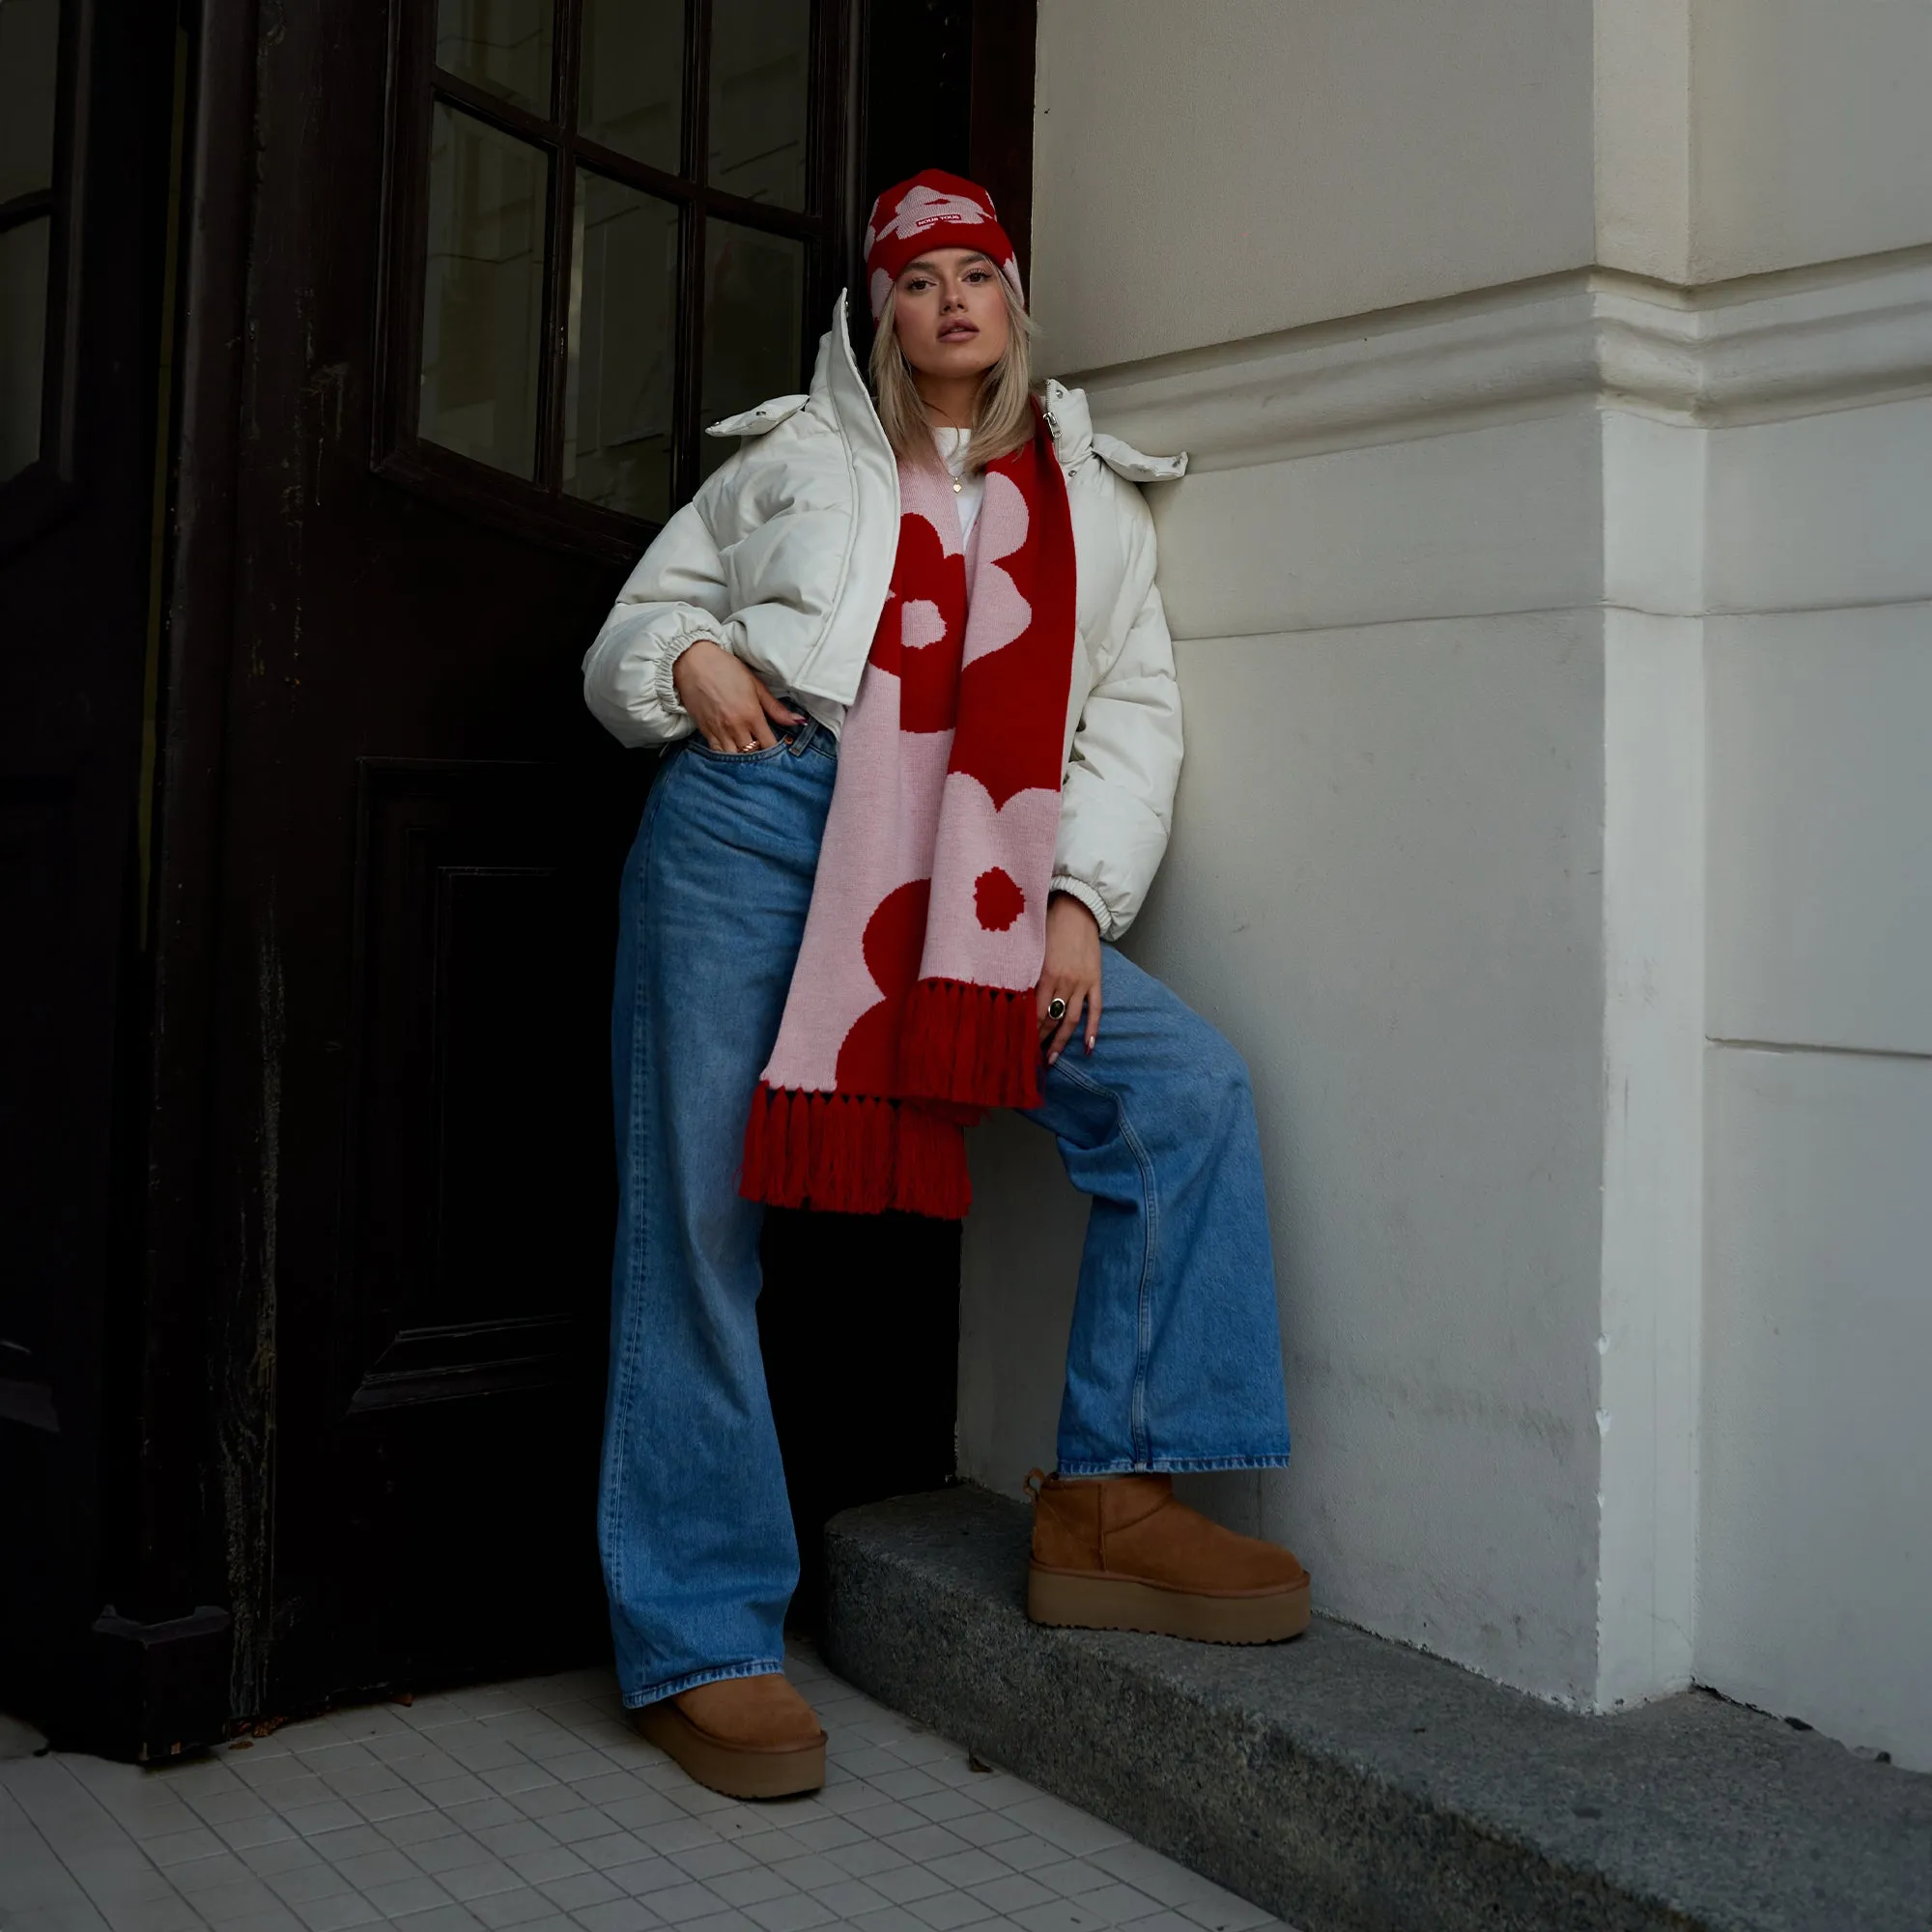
x: 1073, y: 1601
x: 729, y: 1769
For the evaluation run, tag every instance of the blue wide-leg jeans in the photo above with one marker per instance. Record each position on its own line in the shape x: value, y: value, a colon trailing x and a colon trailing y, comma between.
x: 1175, y: 1357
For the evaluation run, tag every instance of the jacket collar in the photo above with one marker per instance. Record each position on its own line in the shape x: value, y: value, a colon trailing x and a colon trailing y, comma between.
x: 835, y: 379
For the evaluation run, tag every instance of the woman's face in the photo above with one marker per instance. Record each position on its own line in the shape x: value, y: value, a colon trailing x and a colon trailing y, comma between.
x: 949, y: 314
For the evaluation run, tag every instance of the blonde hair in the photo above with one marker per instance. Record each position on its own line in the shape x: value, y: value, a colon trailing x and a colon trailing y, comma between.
x: 1002, y: 417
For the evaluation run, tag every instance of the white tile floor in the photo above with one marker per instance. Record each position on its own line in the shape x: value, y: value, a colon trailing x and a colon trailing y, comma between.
x: 533, y: 1806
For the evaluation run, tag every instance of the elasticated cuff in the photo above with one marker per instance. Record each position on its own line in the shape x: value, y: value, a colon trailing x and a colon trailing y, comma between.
x: 667, y: 664
x: 1079, y: 889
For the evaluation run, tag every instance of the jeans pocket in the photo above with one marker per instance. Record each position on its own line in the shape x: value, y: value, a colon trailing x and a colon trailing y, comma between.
x: 757, y: 755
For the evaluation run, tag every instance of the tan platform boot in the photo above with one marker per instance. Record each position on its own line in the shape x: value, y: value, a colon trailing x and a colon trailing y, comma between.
x: 1118, y: 1552
x: 748, y: 1737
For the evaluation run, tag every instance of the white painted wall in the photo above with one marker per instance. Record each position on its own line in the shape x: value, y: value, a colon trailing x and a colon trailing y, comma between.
x: 1642, y: 106
x: 1211, y: 169
x: 1821, y: 887
x: 1558, y: 663
x: 1810, y: 141
x: 1739, y: 137
x: 1818, y: 1310
x: 1818, y: 1299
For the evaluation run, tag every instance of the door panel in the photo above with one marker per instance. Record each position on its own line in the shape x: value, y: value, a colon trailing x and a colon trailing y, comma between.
x: 479, y: 1145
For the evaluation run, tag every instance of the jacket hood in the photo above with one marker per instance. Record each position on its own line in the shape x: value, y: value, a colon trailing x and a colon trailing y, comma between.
x: 1072, y: 422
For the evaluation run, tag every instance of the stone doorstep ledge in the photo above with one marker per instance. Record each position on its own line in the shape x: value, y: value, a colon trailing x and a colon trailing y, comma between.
x: 1352, y: 1786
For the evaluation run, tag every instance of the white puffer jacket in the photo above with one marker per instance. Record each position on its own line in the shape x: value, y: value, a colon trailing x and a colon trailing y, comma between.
x: 785, y: 556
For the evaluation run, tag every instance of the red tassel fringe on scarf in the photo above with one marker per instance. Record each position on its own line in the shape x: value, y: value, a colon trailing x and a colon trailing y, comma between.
x: 858, y: 1154
x: 854, y: 1155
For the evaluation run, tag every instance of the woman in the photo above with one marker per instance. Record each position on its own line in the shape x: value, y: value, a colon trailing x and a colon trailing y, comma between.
x: 920, y: 692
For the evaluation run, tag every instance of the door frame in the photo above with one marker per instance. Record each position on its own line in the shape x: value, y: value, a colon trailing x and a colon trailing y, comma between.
x: 103, y: 1634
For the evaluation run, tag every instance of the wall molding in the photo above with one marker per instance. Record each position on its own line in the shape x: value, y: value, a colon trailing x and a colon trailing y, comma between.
x: 1759, y: 350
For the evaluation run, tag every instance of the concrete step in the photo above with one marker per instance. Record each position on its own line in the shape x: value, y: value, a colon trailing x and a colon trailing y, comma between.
x: 1352, y: 1786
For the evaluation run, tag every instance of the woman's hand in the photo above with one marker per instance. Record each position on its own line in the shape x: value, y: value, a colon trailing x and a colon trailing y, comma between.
x: 728, y: 701
x: 1072, y: 973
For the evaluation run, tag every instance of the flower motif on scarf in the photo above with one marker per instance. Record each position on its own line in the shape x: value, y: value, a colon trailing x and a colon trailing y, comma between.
x: 928, y: 582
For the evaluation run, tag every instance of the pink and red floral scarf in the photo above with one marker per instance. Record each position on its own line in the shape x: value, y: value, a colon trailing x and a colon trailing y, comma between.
x: 911, y: 1007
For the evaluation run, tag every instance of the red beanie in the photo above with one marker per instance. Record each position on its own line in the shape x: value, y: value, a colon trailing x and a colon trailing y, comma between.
x: 934, y: 209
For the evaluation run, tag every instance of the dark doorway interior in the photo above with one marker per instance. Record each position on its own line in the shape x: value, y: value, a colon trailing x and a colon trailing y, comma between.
x: 378, y: 342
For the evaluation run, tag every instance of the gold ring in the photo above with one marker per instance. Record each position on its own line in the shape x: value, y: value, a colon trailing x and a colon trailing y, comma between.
x: 751, y: 745
x: 1056, y: 1008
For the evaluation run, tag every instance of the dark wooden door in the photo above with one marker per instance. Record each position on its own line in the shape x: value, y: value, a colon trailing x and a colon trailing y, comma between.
x: 376, y: 336
x: 85, y: 94
x: 501, y: 260
x: 349, y: 352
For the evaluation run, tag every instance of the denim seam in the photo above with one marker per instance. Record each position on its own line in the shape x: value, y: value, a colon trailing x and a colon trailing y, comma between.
x: 671, y: 1687
x: 1137, y: 1429
x: 1173, y: 1465
x: 623, y: 1403
x: 727, y: 760
x: 802, y: 740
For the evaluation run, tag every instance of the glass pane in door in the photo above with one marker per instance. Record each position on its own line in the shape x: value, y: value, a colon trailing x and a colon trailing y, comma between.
x: 760, y: 85
x: 29, y: 46
x: 502, y: 46
x: 483, y: 292
x: 624, y: 315
x: 753, y: 319
x: 631, y: 93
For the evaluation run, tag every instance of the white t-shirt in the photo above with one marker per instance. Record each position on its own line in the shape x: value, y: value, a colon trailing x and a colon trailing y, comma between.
x: 969, y: 487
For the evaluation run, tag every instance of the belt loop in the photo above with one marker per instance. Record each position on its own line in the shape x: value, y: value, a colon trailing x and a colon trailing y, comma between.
x: 802, y: 736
